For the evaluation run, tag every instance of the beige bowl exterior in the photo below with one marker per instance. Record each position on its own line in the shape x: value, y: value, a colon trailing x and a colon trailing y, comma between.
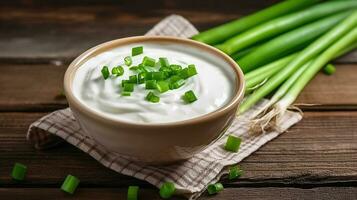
x: 154, y: 143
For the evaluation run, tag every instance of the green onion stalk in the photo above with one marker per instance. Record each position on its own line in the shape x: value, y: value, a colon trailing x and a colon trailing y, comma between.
x: 289, y: 91
x: 311, y: 51
x: 243, y: 53
x: 230, y: 29
x: 283, y: 24
x: 283, y: 104
x: 260, y: 118
x: 256, y: 77
x: 289, y: 41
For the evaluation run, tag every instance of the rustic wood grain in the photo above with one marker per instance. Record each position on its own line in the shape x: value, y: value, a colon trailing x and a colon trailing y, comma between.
x: 62, y: 32
x: 36, y: 87
x: 338, y: 91
x: 320, y: 150
x: 269, y: 193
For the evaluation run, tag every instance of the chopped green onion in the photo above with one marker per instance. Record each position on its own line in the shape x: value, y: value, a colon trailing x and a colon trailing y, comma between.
x: 118, y: 71
x: 167, y: 190
x: 133, y: 193
x: 123, y: 82
x: 164, y: 62
x: 134, y: 68
x: 149, y: 76
x: 19, y: 171
x: 128, y: 61
x: 175, y: 69
x: 150, y: 84
x: 214, y: 188
x: 137, y: 51
x: 143, y: 68
x: 192, y: 70
x: 70, y: 184
x: 158, y: 76
x: 184, y: 73
x: 189, y: 96
x: 234, y: 172
x: 141, y: 77
x: 233, y: 143
x: 329, y: 69
x: 133, y: 79
x: 124, y: 93
x: 188, y: 72
x: 105, y: 72
x: 162, y: 86
x: 174, y: 78
x: 177, y: 84
x: 147, y: 61
x: 152, y: 97
x: 166, y: 70
x: 128, y: 87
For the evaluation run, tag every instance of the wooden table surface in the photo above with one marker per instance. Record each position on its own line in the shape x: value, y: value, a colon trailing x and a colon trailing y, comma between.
x: 316, y: 159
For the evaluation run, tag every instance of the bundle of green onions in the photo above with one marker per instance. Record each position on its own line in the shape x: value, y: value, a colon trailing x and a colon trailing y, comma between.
x: 281, y: 48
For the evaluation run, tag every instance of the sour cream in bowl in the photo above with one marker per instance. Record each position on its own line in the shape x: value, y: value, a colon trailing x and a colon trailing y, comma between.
x: 182, y: 97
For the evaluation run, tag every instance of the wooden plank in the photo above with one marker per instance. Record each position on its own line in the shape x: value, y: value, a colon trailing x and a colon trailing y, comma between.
x: 320, y: 193
x: 62, y: 31
x: 320, y: 150
x: 36, y: 87
x: 338, y: 91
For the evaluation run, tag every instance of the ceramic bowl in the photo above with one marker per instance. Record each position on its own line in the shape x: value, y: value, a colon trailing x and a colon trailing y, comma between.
x: 159, y: 142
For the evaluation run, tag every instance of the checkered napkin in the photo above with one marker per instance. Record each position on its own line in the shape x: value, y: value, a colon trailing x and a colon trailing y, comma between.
x: 191, y: 177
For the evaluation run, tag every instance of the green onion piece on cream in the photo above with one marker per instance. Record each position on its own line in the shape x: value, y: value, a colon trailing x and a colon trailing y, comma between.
x: 177, y: 84
x: 124, y: 93
x: 158, y: 76
x: 141, y: 77
x: 150, y: 84
x: 137, y: 51
x: 147, y: 61
x: 189, y: 97
x: 162, y: 86
x: 128, y: 61
x: 152, y: 97
x: 175, y: 69
x: 164, y: 62
x: 123, y: 82
x: 128, y: 87
x: 105, y: 72
x: 133, y: 79
x: 118, y: 71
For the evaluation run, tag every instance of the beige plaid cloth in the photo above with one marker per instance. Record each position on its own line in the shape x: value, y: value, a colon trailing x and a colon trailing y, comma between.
x: 190, y: 177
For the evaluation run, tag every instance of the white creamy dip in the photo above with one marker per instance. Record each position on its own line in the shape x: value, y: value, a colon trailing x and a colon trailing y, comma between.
x: 214, y: 85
